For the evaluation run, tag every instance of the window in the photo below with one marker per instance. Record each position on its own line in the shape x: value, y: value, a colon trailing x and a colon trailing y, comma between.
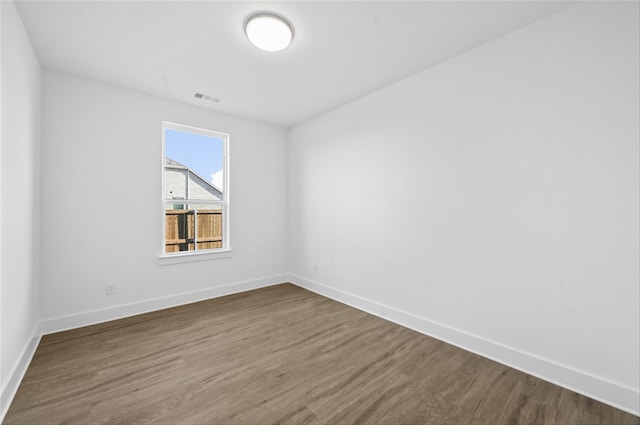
x: 195, y: 190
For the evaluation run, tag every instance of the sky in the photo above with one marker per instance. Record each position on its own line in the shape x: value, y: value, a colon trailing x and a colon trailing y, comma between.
x: 202, y: 154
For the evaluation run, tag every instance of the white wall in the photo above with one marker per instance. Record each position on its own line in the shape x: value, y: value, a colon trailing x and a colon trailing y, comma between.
x: 19, y: 193
x: 100, y: 226
x: 495, y: 195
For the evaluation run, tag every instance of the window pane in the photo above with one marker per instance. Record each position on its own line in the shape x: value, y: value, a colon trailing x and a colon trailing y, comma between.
x: 193, y: 229
x: 193, y: 166
x: 194, y: 197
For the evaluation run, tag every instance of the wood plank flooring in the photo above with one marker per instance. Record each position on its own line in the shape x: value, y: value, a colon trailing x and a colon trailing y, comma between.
x: 279, y: 355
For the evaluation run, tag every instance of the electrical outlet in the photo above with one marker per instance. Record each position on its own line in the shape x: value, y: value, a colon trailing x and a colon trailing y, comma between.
x: 315, y: 269
x: 110, y: 288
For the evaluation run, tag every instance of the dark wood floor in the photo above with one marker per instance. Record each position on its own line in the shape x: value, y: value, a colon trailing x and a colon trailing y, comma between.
x: 279, y: 355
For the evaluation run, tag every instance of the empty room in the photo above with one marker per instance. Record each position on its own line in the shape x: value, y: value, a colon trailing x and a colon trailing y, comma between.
x: 320, y: 212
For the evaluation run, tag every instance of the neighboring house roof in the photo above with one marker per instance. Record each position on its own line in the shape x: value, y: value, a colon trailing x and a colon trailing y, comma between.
x: 173, y: 164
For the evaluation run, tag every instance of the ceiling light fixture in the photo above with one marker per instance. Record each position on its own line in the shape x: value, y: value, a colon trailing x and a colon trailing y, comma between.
x: 268, y: 31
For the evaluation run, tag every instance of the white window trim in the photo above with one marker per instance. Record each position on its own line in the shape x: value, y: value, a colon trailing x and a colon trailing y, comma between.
x: 165, y: 258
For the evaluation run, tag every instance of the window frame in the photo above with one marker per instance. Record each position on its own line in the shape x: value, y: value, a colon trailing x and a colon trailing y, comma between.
x: 205, y: 254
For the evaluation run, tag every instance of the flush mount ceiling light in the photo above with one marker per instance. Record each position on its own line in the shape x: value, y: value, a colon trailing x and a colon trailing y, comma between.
x: 268, y: 31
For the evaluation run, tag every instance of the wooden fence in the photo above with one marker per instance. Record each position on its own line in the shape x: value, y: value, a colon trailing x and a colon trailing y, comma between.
x: 189, y: 230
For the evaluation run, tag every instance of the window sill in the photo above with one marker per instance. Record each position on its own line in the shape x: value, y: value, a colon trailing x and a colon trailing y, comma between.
x: 188, y: 257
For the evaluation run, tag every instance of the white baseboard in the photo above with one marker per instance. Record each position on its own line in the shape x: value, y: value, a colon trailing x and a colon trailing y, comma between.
x: 10, y: 386
x: 621, y: 397
x: 92, y: 317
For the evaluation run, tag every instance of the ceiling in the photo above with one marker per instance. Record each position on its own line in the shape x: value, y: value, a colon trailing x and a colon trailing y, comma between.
x: 341, y: 50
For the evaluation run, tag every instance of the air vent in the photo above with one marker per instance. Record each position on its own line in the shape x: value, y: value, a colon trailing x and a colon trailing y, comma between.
x: 206, y: 97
